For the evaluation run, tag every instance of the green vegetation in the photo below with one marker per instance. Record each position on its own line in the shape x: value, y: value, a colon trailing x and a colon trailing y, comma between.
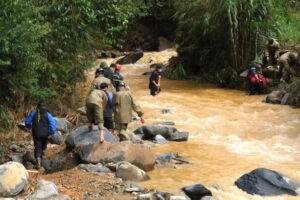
x: 45, y: 45
x: 218, y: 38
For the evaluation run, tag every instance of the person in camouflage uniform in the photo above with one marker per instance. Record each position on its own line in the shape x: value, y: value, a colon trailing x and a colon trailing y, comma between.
x: 288, y: 64
x: 272, y: 52
x: 99, y: 79
x: 96, y: 102
x: 124, y: 103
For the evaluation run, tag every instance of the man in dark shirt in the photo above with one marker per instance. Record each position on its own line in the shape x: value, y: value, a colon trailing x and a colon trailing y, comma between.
x: 154, y: 84
x: 108, y: 71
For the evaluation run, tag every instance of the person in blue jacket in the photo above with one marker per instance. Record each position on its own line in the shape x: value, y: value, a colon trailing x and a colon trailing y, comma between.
x: 43, y: 126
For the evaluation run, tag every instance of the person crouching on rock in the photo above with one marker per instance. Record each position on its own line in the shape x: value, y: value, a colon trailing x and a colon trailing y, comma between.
x: 124, y: 102
x: 43, y: 127
x: 256, y: 80
x: 154, y: 82
x: 95, y: 102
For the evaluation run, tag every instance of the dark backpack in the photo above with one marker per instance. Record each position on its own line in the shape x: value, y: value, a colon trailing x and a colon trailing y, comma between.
x: 40, y: 124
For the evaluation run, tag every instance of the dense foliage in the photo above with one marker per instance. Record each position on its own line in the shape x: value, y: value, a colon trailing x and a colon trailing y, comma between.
x: 45, y: 45
x: 218, y: 38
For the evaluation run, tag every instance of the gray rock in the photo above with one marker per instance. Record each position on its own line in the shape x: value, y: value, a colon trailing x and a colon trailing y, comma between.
x: 167, y: 157
x: 159, y: 196
x: 196, y: 192
x: 266, y: 182
x: 134, y: 188
x: 47, y: 164
x: 160, y: 140
x: 57, y: 138
x: 179, y: 136
x: 64, y: 197
x: 145, y: 197
x: 22, y: 126
x: 134, y: 139
x: 131, y: 58
x: 29, y: 165
x: 61, y: 124
x: 83, y: 135
x: 13, y: 178
x: 127, y: 171
x: 166, y: 111
x: 111, y: 166
x: 29, y: 156
x: 150, y: 131
x: 15, y: 148
x: 139, y: 131
x: 16, y: 158
x: 286, y: 99
x: 167, y: 123
x: 94, y: 168
x: 147, y: 74
x: 275, y: 97
x: 46, y: 189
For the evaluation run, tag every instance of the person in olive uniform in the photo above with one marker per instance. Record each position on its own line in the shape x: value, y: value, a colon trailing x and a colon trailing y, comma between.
x: 154, y: 82
x: 99, y: 79
x: 124, y: 103
x: 288, y: 63
x: 272, y: 52
x: 96, y: 102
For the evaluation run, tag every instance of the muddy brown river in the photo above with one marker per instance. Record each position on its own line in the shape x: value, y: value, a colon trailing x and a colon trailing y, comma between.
x: 231, y: 133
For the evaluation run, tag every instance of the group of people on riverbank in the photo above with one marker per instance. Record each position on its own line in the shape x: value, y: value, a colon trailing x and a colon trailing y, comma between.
x: 109, y: 96
x: 109, y: 104
x: 285, y: 61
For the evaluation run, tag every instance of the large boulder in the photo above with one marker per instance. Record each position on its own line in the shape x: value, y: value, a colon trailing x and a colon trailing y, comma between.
x: 57, y: 138
x: 129, y: 172
x: 136, y: 154
x: 61, y: 124
x: 196, y: 192
x: 267, y: 182
x: 46, y: 190
x: 83, y: 135
x: 131, y: 58
x: 13, y: 178
x: 275, y: 97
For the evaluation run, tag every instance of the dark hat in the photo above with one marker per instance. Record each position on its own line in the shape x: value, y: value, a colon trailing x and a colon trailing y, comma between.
x: 100, y: 71
x: 41, y: 105
x: 103, y: 85
x: 271, y: 41
x: 112, y: 65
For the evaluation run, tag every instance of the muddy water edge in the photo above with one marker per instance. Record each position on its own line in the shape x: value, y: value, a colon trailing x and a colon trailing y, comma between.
x: 231, y: 133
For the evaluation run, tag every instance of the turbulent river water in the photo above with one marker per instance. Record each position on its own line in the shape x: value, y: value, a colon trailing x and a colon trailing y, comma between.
x: 231, y: 133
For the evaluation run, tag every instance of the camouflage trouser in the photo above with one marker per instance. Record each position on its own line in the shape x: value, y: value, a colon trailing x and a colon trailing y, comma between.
x: 121, y: 129
x: 94, y: 114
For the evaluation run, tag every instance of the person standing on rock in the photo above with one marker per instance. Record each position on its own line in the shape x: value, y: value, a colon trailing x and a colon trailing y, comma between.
x: 288, y: 63
x: 96, y: 101
x: 43, y: 126
x: 272, y: 52
x: 118, y: 78
x: 154, y: 82
x: 124, y: 102
x: 99, y: 79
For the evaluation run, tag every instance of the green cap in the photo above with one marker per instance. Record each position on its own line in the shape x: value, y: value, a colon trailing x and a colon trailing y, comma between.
x: 103, y: 65
x: 258, y: 61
